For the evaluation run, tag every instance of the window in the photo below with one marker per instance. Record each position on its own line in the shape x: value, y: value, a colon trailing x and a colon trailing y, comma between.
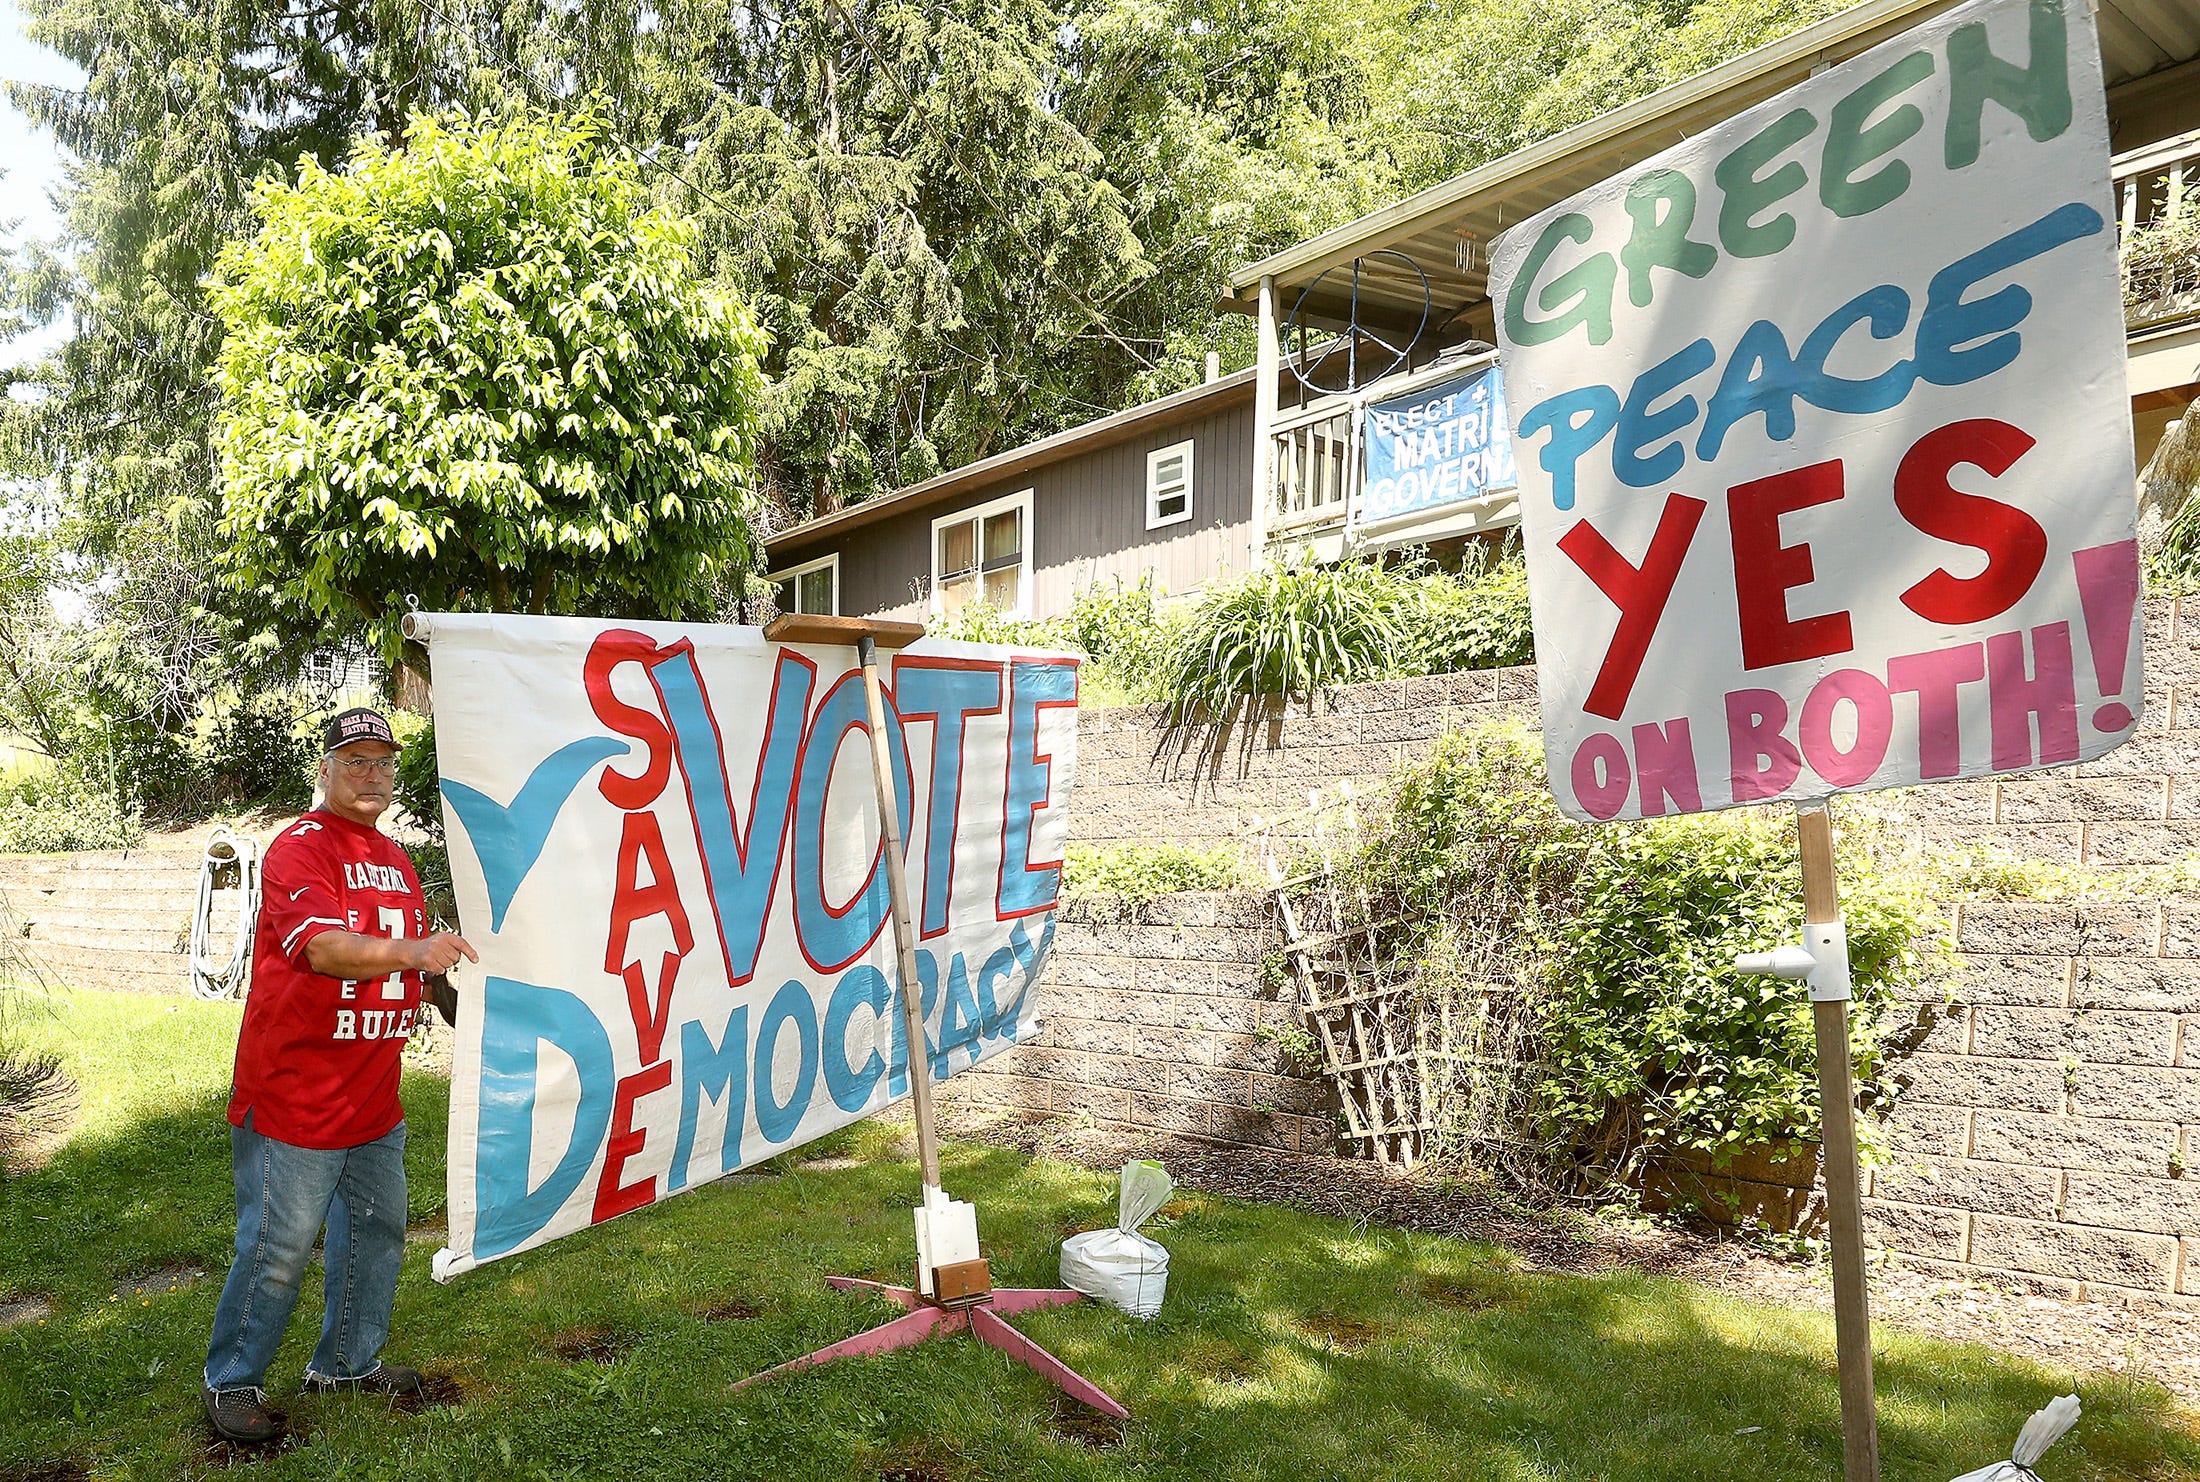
x: 812, y: 588
x: 984, y: 554
x: 1169, y: 485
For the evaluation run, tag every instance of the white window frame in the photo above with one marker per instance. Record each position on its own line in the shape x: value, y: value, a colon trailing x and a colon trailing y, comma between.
x: 786, y: 580
x: 1021, y: 501
x: 1155, y: 520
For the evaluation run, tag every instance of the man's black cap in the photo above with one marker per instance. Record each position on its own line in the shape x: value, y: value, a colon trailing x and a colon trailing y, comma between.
x: 357, y: 724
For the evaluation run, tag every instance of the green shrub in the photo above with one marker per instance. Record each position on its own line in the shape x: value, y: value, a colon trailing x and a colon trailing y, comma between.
x: 1137, y: 873
x: 258, y: 751
x: 1289, y: 630
x: 419, y: 789
x: 1132, y: 638
x: 1623, y: 936
x: 1471, y: 622
x: 61, y: 811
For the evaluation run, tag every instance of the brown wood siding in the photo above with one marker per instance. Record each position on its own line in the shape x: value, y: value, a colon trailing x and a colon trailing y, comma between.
x: 1088, y: 519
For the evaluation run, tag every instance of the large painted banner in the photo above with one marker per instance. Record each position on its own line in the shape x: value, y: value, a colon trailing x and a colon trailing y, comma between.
x: 665, y: 844
x: 1438, y: 446
x: 1823, y: 439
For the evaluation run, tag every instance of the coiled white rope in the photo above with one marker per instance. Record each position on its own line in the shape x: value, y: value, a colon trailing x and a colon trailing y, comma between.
x: 210, y: 977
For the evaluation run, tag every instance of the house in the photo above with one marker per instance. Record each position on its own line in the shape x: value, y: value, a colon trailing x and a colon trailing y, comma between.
x: 1163, y: 489
x: 1415, y: 273
x: 1374, y: 368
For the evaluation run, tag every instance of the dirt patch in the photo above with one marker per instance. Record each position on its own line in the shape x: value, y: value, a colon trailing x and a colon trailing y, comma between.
x: 229, y: 1454
x: 589, y: 1345
x: 914, y: 1471
x: 1218, y: 1360
x: 1345, y: 1334
x: 828, y: 1165
x: 730, y: 1309
x: 167, y: 1279
x: 18, y: 1313
x: 1089, y: 1428
x: 60, y: 1469
x: 436, y: 1392
x: 1478, y: 1292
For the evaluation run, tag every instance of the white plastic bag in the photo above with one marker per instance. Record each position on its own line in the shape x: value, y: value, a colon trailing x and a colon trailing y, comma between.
x: 1120, y: 1266
x: 2043, y: 1430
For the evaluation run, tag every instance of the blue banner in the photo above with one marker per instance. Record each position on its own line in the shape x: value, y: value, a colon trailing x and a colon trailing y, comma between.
x: 1442, y: 445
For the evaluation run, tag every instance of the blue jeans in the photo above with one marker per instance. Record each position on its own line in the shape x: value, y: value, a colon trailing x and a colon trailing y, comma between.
x: 283, y: 1194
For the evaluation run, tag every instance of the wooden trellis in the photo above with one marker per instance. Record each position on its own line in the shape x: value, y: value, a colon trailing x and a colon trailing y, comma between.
x: 1366, y: 1017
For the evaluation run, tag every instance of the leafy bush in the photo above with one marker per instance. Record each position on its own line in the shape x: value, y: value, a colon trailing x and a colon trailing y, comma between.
x: 1133, y: 639
x: 1289, y: 630
x: 1622, y: 938
x: 260, y: 750
x: 61, y: 811
x: 2162, y: 258
x: 419, y: 789
x: 1471, y: 622
x: 982, y: 622
x: 1137, y: 873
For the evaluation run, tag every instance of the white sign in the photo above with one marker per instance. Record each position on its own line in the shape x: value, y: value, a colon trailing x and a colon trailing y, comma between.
x: 1823, y: 439
x: 665, y: 844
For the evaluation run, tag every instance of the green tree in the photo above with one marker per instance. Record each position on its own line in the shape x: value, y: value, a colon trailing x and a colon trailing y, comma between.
x: 937, y: 252
x: 479, y: 369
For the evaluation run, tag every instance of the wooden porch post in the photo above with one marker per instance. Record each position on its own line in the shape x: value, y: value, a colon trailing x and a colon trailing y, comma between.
x: 1268, y: 371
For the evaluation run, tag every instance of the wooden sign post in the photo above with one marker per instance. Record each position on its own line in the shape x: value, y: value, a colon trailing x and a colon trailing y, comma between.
x: 1852, y: 1325
x: 954, y: 1289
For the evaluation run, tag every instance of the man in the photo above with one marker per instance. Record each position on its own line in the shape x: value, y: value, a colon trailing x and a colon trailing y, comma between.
x: 316, y: 1131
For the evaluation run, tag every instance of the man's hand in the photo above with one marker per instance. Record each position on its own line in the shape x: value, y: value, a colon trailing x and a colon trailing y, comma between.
x: 356, y: 957
x: 437, y: 954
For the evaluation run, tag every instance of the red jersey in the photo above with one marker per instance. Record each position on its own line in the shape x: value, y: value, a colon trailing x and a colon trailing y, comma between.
x: 317, y: 1059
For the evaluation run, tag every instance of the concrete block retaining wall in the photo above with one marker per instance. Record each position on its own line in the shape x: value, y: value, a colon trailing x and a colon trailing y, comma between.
x: 2050, y: 1127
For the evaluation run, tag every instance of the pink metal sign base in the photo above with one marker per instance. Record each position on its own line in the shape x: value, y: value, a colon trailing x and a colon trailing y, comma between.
x: 982, y: 1321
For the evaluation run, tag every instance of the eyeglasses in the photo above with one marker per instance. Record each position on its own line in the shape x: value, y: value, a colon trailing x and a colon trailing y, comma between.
x: 368, y: 766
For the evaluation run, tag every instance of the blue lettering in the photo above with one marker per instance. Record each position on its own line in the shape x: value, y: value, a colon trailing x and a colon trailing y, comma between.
x: 777, y: 1119
x: 960, y: 1021
x: 740, y: 871
x: 1885, y: 310
x: 1577, y: 421
x: 997, y: 1024
x: 713, y: 1070
x: 851, y: 1086
x: 1033, y: 685
x: 517, y: 1019
x: 1949, y: 323
x: 831, y: 938
x: 1761, y: 377
x: 1639, y: 426
x: 931, y: 690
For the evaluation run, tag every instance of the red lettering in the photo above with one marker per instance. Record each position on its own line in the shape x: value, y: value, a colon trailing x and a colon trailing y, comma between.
x: 612, y: 1197
x: 2013, y: 542
x: 640, y: 839
x: 1639, y: 592
x: 1765, y: 570
x: 613, y: 647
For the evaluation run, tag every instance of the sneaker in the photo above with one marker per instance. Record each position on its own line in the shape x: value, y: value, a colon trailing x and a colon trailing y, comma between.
x: 241, y: 1415
x: 383, y: 1379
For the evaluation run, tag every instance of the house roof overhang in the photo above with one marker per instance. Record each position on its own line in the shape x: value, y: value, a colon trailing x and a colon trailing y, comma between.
x: 1182, y: 406
x: 1445, y: 229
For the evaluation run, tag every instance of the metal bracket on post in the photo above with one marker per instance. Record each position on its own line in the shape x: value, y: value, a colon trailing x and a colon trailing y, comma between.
x: 1822, y: 961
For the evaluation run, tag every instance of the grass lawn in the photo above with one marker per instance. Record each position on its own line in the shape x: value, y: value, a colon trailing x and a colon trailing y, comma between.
x: 1291, y: 1347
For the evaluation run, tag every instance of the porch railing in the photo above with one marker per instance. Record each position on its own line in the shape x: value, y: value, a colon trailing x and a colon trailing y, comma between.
x: 1316, y: 459
x: 2158, y: 220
